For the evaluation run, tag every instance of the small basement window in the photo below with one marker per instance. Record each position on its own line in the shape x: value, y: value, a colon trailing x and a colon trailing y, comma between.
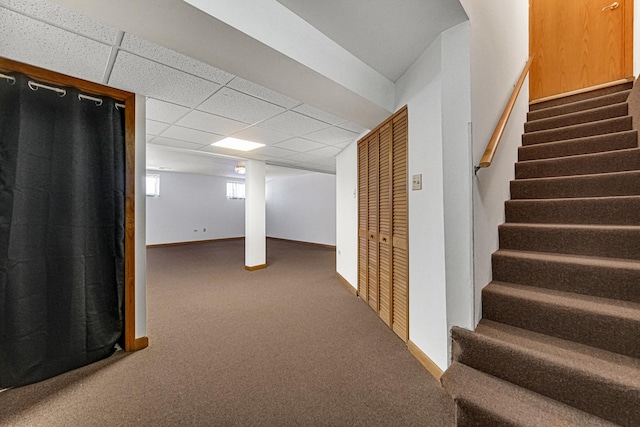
x: 153, y: 185
x: 235, y: 190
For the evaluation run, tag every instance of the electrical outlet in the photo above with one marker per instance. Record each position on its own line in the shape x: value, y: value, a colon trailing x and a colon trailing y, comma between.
x: 195, y: 231
x: 416, y: 182
x: 204, y: 230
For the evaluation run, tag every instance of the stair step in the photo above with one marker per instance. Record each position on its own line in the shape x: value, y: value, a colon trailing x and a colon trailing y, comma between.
x: 578, y: 117
x: 619, y: 210
x: 583, y: 164
x: 587, y: 104
x: 601, y: 127
x: 484, y: 400
x: 607, y: 324
x: 586, y: 145
x: 595, y: 185
x: 580, y: 96
x: 612, y: 278
x: 596, y: 381
x: 609, y: 241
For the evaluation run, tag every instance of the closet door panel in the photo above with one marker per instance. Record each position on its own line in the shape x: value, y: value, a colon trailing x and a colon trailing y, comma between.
x: 400, y: 286
x: 363, y: 154
x: 373, y: 195
x: 385, y: 239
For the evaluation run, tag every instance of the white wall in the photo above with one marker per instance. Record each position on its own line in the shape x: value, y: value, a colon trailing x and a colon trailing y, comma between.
x: 499, y: 35
x: 347, y: 214
x: 302, y: 208
x: 140, y: 218
x: 191, y: 202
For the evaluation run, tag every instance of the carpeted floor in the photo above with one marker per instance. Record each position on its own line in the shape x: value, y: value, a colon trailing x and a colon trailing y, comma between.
x: 287, y: 345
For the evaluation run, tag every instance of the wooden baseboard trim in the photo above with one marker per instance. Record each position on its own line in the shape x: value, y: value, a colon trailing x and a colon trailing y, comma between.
x: 140, y: 343
x: 583, y: 90
x: 194, y: 242
x: 346, y: 283
x: 424, y: 360
x: 320, y: 245
x: 255, y: 267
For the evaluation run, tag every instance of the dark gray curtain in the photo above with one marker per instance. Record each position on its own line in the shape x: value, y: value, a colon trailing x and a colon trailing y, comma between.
x: 61, y: 231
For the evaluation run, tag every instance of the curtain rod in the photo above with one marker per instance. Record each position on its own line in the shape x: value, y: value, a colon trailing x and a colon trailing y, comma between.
x: 61, y: 92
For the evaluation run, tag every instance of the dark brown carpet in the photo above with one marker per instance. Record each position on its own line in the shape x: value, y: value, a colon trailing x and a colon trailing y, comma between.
x: 559, y: 341
x: 283, y: 346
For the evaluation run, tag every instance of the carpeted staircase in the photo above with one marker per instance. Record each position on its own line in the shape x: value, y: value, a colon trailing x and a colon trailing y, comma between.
x: 559, y: 341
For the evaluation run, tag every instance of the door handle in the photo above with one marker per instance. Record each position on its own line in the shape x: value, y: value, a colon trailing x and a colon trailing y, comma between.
x: 612, y: 6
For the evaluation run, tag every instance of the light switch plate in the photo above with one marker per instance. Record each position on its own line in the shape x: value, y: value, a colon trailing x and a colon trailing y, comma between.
x: 416, y: 182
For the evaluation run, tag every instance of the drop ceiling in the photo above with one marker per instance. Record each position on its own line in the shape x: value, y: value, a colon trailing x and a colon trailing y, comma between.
x: 190, y: 105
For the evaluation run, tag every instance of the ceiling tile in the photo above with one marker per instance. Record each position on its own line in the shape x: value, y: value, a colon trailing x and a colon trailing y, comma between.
x: 294, y: 124
x: 28, y: 40
x: 52, y: 13
x: 150, y: 137
x: 319, y: 114
x: 226, y: 152
x: 326, y: 152
x: 353, y: 127
x: 191, y: 135
x: 261, y: 135
x: 272, y: 151
x: 299, y: 144
x: 261, y: 92
x: 155, y: 128
x: 149, y: 78
x: 174, y: 59
x: 332, y: 135
x: 159, y: 140
x: 342, y: 144
x: 164, y: 111
x: 301, y: 157
x: 211, y: 123
x: 239, y: 106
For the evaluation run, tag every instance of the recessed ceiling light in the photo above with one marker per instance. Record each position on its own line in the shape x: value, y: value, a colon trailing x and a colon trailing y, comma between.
x: 237, y: 144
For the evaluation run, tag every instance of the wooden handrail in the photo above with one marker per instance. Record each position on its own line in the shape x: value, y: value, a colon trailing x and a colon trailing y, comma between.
x: 492, y: 146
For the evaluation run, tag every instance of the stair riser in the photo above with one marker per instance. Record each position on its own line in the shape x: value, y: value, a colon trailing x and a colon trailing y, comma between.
x: 598, y: 102
x: 612, y: 211
x: 562, y: 382
x: 598, y: 243
x: 616, y: 161
x: 620, y: 284
x: 593, y: 115
x: 619, y: 124
x: 595, y: 144
x: 581, y: 96
x: 619, y: 184
x: 616, y: 334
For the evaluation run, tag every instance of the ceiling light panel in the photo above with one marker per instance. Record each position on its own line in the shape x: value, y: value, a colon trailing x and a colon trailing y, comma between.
x: 191, y: 135
x: 52, y: 13
x: 164, y: 111
x: 299, y: 144
x: 238, y: 144
x: 332, y: 135
x: 294, y: 124
x: 155, y: 128
x: 261, y: 92
x: 28, y: 40
x: 176, y: 143
x: 239, y: 106
x: 174, y: 59
x: 149, y: 78
x: 258, y: 134
x: 319, y: 114
x: 211, y: 123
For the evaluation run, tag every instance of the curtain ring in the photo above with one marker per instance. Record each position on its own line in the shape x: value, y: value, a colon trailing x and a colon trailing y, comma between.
x: 34, y: 86
x: 10, y: 79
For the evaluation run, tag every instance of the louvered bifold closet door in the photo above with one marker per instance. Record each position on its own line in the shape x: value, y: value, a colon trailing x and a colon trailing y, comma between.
x: 400, y: 287
x: 363, y: 212
x: 372, y: 247
x: 384, y: 225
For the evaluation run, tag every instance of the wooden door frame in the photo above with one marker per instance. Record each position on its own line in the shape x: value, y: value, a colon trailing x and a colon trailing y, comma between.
x: 628, y: 22
x: 128, y: 340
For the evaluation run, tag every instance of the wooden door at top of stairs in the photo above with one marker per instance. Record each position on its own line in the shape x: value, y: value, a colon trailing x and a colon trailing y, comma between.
x: 578, y: 44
